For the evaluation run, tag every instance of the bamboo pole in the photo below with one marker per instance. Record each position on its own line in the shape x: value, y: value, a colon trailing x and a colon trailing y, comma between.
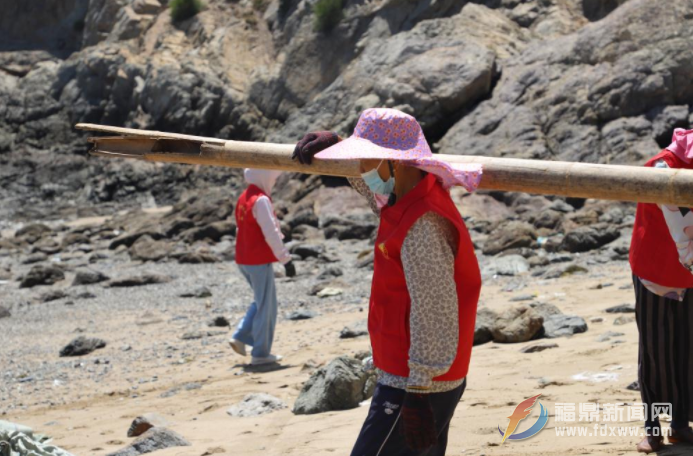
x: 583, y: 180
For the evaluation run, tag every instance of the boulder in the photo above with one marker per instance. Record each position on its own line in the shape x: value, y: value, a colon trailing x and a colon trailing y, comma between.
x: 89, y: 277
x: 129, y: 239
x: 621, y: 308
x: 509, y: 265
x: 563, y: 325
x: 82, y: 346
x: 198, y: 258
x: 586, y: 238
x: 139, y: 280
x: 145, y: 422
x: 201, y: 292
x: 37, y: 257
x: 219, y: 322
x: 303, y: 314
x: 307, y: 251
x: 147, y: 6
x: 485, y: 321
x: 147, y: 249
x: 156, y: 438
x: 340, y: 385
x: 536, y: 348
x: 4, y: 312
x: 511, y: 235
x: 32, y: 233
x: 42, y: 275
x: 516, y: 324
x: 53, y: 295
x: 212, y: 232
x: 256, y: 404
x: 357, y: 329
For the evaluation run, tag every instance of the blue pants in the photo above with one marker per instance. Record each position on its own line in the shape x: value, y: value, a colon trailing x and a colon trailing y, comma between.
x: 257, y: 327
x: 381, y: 435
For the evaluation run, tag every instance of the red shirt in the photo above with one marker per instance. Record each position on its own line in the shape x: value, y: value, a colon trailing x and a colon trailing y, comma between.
x: 388, y: 319
x: 653, y: 253
x: 251, y: 247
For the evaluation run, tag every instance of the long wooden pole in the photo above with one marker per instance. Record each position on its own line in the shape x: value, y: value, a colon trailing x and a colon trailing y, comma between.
x: 583, y: 180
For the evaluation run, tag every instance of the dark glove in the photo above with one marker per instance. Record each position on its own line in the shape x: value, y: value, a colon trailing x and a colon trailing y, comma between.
x: 312, y: 143
x: 290, y: 269
x: 418, y: 424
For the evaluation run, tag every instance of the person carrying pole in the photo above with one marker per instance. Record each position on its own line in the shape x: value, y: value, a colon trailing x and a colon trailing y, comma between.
x: 258, y: 245
x: 426, y: 280
x: 661, y: 258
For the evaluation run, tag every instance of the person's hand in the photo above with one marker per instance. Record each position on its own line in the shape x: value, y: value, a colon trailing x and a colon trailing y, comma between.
x: 312, y: 143
x: 418, y: 423
x: 290, y: 269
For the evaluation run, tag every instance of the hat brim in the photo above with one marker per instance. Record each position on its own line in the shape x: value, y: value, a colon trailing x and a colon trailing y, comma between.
x: 355, y: 148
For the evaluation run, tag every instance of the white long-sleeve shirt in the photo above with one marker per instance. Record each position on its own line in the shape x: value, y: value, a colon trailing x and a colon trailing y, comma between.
x: 264, y: 212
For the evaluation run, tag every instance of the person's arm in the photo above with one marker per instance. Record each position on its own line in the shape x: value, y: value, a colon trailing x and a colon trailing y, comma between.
x: 360, y: 186
x: 264, y: 214
x: 679, y: 220
x: 428, y: 258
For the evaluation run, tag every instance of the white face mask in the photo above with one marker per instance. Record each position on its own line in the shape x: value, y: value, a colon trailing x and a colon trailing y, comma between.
x: 376, y: 183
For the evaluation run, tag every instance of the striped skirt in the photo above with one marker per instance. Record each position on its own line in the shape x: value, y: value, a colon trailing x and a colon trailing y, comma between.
x: 665, y: 367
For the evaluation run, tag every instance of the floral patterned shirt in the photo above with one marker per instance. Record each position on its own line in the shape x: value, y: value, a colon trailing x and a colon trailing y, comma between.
x: 428, y: 259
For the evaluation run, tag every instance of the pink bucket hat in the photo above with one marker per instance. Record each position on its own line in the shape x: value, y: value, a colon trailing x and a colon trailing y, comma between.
x: 390, y: 134
x: 682, y: 144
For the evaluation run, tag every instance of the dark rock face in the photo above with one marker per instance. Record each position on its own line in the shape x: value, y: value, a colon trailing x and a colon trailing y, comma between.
x: 82, y: 346
x: 631, y: 70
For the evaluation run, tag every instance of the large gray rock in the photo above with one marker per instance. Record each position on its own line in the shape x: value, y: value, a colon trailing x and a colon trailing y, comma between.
x: 586, y: 238
x: 485, y: 322
x: 516, y: 324
x: 139, y: 280
x: 563, y: 325
x: 154, y: 439
x: 594, y: 95
x: 147, y: 249
x: 145, y: 422
x: 256, y: 404
x: 510, y: 235
x: 340, y: 385
x: 89, y: 277
x: 82, y: 346
x: 509, y: 265
x: 42, y: 275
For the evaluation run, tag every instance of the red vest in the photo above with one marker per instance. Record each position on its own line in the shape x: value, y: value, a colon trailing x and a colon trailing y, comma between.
x: 653, y: 254
x: 388, y: 318
x: 251, y: 247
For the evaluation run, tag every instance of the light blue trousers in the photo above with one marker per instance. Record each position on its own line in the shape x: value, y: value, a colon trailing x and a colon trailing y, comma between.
x: 257, y: 327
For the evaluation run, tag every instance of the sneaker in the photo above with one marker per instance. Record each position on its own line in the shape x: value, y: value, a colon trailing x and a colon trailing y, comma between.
x: 256, y: 361
x: 238, y: 346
